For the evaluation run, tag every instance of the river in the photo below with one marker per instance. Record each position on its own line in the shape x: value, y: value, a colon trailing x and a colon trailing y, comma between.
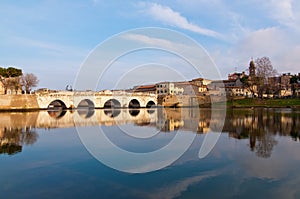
x: 150, y: 153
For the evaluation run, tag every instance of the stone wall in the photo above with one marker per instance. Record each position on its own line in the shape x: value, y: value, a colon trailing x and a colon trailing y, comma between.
x: 184, y: 100
x: 10, y: 102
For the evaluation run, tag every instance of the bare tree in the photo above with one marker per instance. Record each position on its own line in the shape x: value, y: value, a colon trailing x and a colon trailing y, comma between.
x: 264, y: 70
x: 29, y: 81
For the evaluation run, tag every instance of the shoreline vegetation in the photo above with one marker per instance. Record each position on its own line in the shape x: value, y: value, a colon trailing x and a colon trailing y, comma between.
x: 264, y: 103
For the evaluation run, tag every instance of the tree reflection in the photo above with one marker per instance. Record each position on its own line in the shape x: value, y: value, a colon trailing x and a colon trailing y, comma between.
x: 258, y: 125
x: 295, y: 129
x: 265, y: 145
x: 265, y: 133
x: 13, y: 139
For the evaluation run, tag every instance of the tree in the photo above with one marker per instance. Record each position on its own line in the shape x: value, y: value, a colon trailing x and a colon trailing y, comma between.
x: 248, y: 83
x: 264, y: 70
x: 10, y: 72
x: 10, y: 78
x: 29, y: 81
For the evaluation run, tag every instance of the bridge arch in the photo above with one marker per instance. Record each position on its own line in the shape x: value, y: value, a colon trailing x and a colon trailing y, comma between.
x: 150, y: 104
x: 56, y: 109
x: 86, y: 103
x: 85, y: 108
x: 134, y: 103
x: 112, y: 103
x: 57, y: 104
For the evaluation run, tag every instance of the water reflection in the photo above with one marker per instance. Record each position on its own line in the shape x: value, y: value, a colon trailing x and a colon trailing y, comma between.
x: 134, y: 112
x: 112, y: 112
x: 56, y: 113
x: 86, y: 112
x: 12, y: 139
x: 259, y: 126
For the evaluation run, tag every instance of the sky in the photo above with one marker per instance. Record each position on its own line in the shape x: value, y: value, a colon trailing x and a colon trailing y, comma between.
x: 53, y: 38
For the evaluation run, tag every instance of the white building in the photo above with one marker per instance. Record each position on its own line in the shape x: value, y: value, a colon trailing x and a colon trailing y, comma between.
x: 168, y: 88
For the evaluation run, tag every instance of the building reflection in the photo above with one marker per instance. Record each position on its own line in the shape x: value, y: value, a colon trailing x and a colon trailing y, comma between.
x: 260, y: 126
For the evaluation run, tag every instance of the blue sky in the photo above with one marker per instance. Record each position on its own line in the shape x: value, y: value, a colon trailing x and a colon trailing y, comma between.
x: 53, y: 38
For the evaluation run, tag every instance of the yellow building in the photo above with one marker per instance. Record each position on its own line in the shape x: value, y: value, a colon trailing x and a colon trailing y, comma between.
x: 2, y: 89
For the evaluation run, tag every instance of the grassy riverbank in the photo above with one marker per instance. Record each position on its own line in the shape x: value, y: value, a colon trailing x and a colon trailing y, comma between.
x: 241, y: 103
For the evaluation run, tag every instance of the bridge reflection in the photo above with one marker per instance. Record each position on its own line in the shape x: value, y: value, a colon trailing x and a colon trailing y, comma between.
x: 259, y: 126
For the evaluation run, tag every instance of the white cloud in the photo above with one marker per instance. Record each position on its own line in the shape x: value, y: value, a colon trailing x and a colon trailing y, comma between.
x: 170, y: 17
x: 186, y: 49
x: 282, y: 10
x: 177, y: 189
x: 263, y: 42
x: 150, y: 40
x: 278, y: 44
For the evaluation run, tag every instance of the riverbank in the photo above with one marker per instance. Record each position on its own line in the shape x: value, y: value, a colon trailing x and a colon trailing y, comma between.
x: 267, y: 103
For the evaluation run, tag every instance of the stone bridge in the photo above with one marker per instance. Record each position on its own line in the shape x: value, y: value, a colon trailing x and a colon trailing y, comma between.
x: 108, y: 99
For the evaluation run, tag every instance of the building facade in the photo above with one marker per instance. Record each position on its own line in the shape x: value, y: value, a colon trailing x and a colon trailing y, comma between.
x: 168, y: 88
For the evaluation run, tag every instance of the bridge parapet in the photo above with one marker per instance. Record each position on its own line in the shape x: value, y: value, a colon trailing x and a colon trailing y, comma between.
x: 69, y: 99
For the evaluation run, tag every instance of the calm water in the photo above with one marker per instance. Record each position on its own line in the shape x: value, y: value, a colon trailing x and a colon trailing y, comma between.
x: 256, y: 156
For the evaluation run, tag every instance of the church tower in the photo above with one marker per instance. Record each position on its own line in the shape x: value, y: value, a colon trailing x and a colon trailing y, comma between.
x: 251, y: 68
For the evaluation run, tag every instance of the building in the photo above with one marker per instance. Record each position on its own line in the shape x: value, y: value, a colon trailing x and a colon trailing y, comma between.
x: 252, y: 72
x: 203, y: 90
x: 235, y: 76
x: 297, y: 90
x: 151, y: 89
x: 2, y: 89
x: 205, y: 82
x: 285, y: 80
x: 168, y: 88
x: 10, y: 86
x: 187, y: 88
x: 285, y: 85
x: 233, y: 87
